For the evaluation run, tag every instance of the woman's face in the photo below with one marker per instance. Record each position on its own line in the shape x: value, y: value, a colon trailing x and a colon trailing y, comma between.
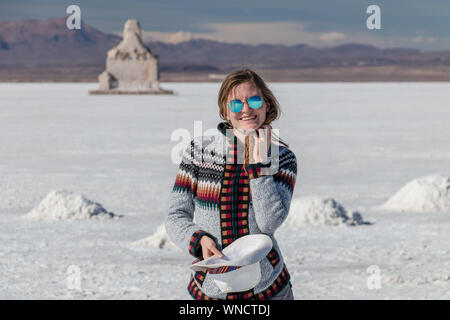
x: 247, y: 118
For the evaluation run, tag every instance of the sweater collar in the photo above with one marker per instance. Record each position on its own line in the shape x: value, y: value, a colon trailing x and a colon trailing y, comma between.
x: 223, y: 126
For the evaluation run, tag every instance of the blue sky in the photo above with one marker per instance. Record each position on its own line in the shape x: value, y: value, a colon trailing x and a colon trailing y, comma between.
x: 423, y: 24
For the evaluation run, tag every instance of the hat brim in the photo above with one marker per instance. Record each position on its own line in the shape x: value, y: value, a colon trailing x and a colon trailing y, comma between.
x: 239, y: 280
x: 244, y: 251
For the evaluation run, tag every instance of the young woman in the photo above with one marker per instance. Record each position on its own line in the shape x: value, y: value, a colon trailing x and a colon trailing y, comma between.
x: 232, y: 198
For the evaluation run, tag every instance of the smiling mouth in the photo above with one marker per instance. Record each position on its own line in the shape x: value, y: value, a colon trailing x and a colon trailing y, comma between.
x: 248, y: 118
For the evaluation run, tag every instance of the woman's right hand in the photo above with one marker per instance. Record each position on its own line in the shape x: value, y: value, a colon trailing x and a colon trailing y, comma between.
x: 209, y: 248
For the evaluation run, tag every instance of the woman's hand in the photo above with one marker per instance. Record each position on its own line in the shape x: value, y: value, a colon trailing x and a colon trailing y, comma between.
x: 257, y: 142
x: 263, y: 141
x: 209, y: 248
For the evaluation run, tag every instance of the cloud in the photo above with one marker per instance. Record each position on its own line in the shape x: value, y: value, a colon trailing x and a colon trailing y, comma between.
x: 292, y: 33
x: 332, y: 36
x: 287, y: 33
x: 259, y: 32
x: 422, y: 39
x: 417, y: 40
x: 169, y: 37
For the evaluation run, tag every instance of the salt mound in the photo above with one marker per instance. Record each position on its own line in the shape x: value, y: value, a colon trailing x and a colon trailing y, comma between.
x: 158, y: 240
x: 66, y: 205
x: 426, y: 194
x: 316, y: 211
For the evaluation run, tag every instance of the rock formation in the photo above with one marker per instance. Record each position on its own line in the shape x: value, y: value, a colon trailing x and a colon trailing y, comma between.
x: 130, y: 66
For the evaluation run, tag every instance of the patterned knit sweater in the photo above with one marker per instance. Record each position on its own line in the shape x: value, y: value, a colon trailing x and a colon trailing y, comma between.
x: 230, y: 200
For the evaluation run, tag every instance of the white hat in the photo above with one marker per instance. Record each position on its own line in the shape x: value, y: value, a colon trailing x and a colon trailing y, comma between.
x: 238, y: 270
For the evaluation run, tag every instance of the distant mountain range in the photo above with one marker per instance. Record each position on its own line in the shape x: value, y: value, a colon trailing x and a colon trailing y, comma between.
x: 48, y: 43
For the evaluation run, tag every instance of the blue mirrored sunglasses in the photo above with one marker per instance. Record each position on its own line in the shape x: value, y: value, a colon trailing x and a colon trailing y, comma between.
x: 254, y: 102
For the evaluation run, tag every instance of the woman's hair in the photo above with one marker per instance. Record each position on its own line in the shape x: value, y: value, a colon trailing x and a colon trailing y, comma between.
x: 240, y: 76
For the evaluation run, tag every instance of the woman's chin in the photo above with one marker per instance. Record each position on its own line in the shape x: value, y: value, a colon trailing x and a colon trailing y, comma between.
x: 249, y: 126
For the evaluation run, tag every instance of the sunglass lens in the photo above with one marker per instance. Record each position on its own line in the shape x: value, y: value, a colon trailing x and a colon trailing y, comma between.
x: 255, y: 102
x: 235, y: 105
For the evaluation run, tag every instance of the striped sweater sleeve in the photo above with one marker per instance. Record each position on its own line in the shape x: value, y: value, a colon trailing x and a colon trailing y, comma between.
x: 179, y: 222
x: 272, y: 194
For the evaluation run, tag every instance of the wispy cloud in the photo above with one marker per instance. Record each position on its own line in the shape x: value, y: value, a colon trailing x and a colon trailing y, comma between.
x: 288, y: 33
x: 332, y: 36
x: 292, y: 33
x: 169, y: 37
x: 421, y: 38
